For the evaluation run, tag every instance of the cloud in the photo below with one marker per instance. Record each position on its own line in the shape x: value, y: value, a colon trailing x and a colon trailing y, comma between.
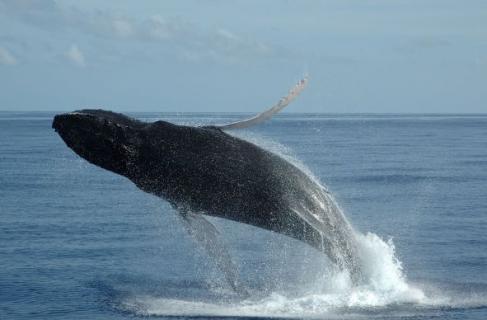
x: 177, y: 37
x: 123, y: 28
x: 156, y: 27
x: 7, y: 58
x: 231, y: 42
x: 75, y: 55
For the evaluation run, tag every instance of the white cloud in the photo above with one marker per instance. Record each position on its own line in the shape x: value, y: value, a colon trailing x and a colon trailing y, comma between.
x: 227, y: 35
x: 122, y: 28
x: 6, y: 57
x: 175, y: 35
x: 75, y: 55
x: 158, y: 28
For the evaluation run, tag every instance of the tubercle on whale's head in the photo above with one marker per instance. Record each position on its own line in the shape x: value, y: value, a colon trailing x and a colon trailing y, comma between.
x: 107, y: 139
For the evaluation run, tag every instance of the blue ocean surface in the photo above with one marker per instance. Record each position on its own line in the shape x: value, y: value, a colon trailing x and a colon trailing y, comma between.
x: 79, y: 242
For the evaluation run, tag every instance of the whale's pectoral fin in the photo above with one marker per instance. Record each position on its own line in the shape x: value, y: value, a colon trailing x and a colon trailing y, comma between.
x: 206, y: 235
x: 281, y: 104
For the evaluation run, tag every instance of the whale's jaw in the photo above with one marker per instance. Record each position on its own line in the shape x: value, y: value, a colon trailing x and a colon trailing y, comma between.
x: 103, y: 138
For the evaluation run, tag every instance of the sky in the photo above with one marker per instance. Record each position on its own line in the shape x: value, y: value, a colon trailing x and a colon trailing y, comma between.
x: 362, y: 56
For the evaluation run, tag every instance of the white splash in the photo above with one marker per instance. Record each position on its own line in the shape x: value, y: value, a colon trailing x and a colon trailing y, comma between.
x: 384, y: 287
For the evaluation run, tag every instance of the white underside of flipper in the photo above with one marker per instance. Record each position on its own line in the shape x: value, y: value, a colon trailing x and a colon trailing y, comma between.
x: 281, y: 104
x: 206, y: 235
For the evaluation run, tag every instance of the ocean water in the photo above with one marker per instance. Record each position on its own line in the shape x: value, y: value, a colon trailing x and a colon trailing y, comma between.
x: 78, y: 242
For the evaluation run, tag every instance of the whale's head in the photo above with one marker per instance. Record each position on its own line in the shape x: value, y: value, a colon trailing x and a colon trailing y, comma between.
x: 150, y: 154
x: 107, y: 139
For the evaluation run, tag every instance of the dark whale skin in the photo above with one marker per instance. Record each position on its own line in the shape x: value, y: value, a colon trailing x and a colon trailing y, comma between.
x: 205, y: 170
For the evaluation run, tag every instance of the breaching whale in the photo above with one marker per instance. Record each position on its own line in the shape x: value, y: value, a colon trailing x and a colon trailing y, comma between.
x: 206, y: 171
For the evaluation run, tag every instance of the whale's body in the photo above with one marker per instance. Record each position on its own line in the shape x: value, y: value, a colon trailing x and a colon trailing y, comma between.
x: 204, y: 170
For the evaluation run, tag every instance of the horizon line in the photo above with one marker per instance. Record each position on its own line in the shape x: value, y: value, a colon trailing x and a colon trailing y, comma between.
x: 255, y: 112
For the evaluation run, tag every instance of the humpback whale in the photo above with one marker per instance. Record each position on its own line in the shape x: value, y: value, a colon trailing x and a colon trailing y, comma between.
x: 206, y: 171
